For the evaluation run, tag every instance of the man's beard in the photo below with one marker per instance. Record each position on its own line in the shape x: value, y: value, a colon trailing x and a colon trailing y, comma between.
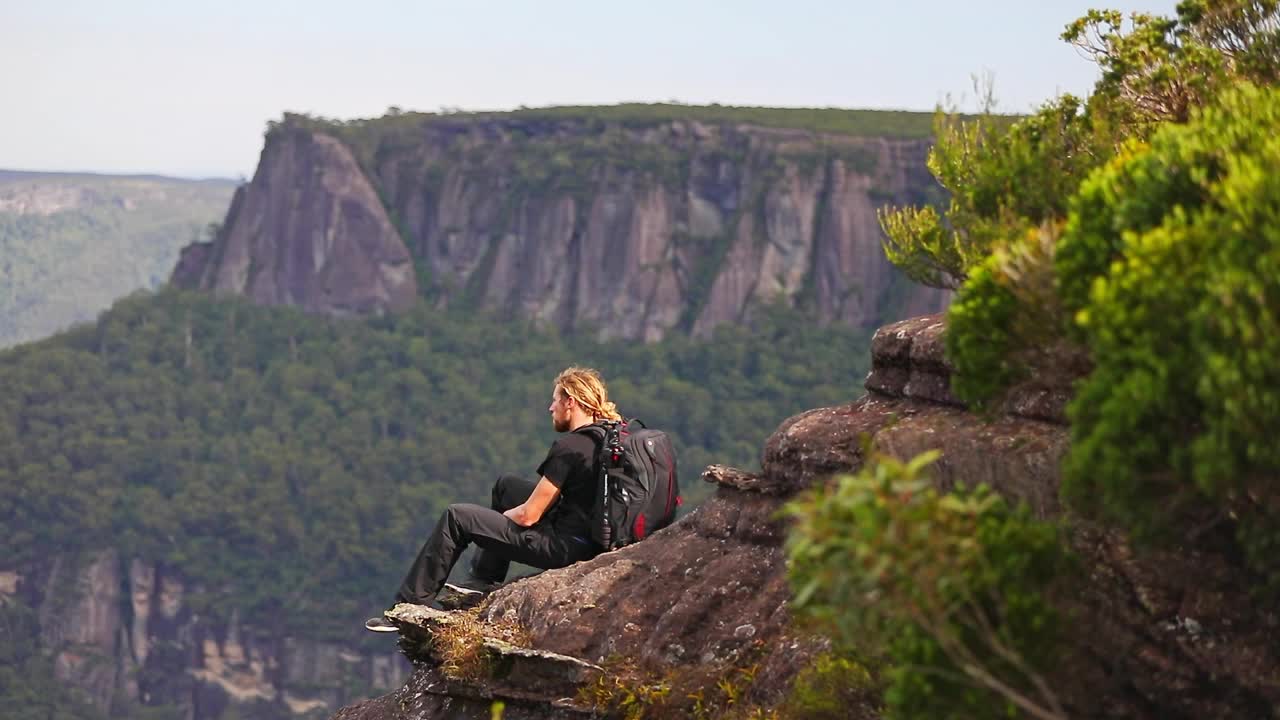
x: 560, y: 425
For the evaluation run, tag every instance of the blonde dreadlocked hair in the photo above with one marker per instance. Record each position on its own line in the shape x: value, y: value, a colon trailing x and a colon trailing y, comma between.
x: 587, y: 389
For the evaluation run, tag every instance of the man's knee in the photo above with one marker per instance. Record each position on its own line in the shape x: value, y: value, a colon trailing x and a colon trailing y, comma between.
x: 495, y: 495
x: 466, y: 522
x: 506, y: 492
x: 461, y: 516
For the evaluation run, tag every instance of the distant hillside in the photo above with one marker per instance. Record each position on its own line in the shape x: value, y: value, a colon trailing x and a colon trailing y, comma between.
x: 72, y: 243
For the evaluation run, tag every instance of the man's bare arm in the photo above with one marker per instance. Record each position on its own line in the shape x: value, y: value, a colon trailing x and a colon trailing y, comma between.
x: 531, y: 510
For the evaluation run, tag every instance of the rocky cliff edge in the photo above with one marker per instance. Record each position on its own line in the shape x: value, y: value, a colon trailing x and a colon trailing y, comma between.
x: 705, y: 601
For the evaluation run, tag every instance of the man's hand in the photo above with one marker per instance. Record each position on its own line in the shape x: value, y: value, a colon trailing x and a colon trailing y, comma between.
x: 518, y: 516
x: 529, y: 512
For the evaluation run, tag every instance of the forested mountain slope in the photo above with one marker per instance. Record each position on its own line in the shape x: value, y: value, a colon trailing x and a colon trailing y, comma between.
x: 71, y: 244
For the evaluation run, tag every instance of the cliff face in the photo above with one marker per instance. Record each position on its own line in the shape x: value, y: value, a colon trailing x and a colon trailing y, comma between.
x: 1152, y: 635
x: 126, y: 633
x: 308, y: 231
x: 631, y: 231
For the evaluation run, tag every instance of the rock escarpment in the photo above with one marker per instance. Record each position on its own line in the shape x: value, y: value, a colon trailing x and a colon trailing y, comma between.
x: 1151, y: 635
x: 126, y: 632
x: 308, y: 231
x: 632, y: 231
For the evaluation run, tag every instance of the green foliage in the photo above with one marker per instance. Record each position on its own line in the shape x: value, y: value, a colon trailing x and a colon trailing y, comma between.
x: 291, y: 465
x: 86, y: 240
x: 952, y: 586
x: 833, y: 687
x: 1005, y: 326
x: 978, y: 344
x: 1157, y: 69
x: 711, y: 252
x: 1164, y: 275
x: 1015, y: 319
x: 725, y: 698
x: 1173, y: 258
x: 1003, y: 181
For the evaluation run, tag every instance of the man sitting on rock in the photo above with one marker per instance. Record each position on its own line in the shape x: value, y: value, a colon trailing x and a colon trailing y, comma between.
x: 525, y: 523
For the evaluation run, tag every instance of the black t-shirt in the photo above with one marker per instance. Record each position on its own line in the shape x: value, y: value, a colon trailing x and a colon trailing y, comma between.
x: 570, y: 467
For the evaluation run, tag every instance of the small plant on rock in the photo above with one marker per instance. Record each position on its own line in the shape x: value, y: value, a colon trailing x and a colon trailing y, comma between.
x: 460, y: 644
x: 835, y: 686
x: 624, y: 691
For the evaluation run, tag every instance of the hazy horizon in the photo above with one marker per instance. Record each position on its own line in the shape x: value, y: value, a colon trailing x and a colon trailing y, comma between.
x: 146, y: 87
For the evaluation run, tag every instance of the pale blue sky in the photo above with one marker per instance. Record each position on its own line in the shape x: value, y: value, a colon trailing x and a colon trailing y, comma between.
x: 186, y: 88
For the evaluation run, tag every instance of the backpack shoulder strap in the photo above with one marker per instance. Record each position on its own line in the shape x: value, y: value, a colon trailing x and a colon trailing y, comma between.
x: 606, y: 434
x: 594, y: 430
x: 608, y: 437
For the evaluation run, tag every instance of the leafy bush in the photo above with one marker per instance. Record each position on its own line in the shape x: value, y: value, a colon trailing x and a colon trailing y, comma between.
x: 1173, y: 256
x: 1006, y: 324
x: 1164, y: 278
x: 1003, y: 181
x: 1157, y: 69
x: 979, y: 343
x: 1012, y: 192
x: 953, y: 587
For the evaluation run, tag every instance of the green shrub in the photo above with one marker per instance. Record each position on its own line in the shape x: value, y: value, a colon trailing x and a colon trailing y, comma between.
x: 1157, y: 69
x: 979, y: 343
x: 1178, y: 247
x: 952, y: 587
x: 1015, y: 317
x: 1003, y: 181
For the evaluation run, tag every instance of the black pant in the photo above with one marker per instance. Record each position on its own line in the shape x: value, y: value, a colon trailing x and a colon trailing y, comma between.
x: 500, y: 541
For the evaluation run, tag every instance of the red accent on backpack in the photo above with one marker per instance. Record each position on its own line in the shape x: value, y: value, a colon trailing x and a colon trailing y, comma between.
x: 639, y: 527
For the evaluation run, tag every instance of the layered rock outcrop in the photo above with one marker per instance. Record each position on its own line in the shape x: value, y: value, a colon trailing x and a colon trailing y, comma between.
x: 1151, y: 634
x: 125, y: 633
x: 630, y: 231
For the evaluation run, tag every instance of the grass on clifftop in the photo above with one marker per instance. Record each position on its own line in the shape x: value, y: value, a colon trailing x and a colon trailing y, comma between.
x: 870, y: 123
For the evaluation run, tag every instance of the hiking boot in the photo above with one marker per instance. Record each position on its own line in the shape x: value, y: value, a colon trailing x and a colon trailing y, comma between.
x: 466, y: 594
x: 380, y: 624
